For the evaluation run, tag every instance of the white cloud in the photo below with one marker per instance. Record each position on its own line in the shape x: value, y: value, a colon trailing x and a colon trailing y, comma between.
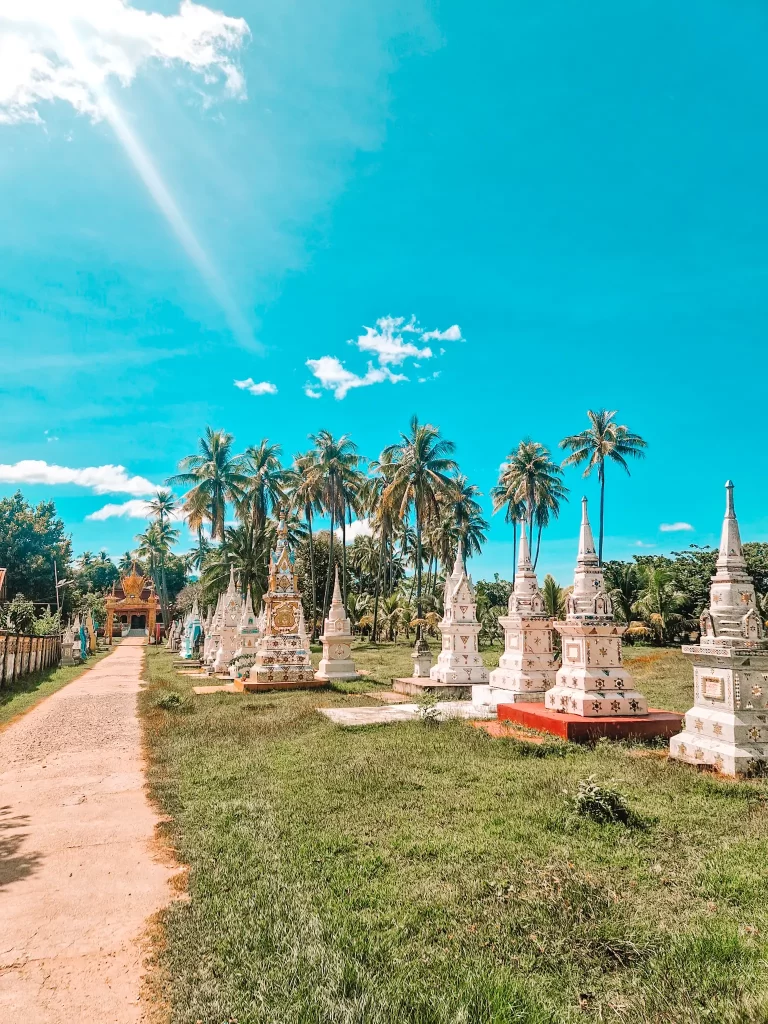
x: 332, y: 375
x: 453, y: 333
x: 311, y: 393
x: 386, y: 341
x: 134, y: 508
x: 69, y: 50
x: 432, y: 376
x: 642, y: 544
x: 262, y: 388
x: 99, y: 479
x: 674, y: 527
x: 358, y: 528
x: 49, y: 436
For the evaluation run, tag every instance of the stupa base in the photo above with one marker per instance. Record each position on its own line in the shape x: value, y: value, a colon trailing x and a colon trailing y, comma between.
x: 578, y: 729
x: 417, y: 686
x: 596, y: 703
x: 304, y: 680
x: 491, y: 696
x: 724, y: 757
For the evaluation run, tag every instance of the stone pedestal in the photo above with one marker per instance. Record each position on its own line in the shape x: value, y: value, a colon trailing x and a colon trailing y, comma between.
x: 727, y: 727
x: 67, y: 646
x: 459, y: 660
x: 422, y: 659
x: 337, y: 639
x: 528, y: 665
x: 592, y: 681
x: 282, y: 658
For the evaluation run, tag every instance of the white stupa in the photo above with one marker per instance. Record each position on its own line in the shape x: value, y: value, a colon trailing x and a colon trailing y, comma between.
x: 211, y: 641
x: 727, y: 727
x: 592, y: 681
x: 247, y: 640
x: 232, y: 609
x: 337, y: 639
x: 459, y: 661
x: 528, y: 665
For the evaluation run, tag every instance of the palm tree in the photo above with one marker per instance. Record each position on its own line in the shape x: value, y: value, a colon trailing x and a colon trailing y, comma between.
x: 247, y: 550
x: 419, y: 470
x: 603, y: 440
x: 623, y: 587
x: 661, y: 605
x: 530, y: 483
x: 214, y: 476
x: 336, y: 460
x: 264, y: 491
x: 162, y: 507
x: 305, y: 486
x: 554, y: 597
x: 126, y: 562
x: 461, y: 500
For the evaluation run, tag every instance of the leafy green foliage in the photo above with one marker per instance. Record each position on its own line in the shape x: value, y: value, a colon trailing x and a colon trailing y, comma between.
x: 31, y: 539
x: 20, y: 615
x: 600, y: 803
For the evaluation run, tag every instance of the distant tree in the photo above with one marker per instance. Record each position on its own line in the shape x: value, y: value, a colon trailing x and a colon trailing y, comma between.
x: 623, y: 585
x: 554, y: 597
x: 496, y: 591
x: 31, y: 539
x: 95, y: 574
x: 48, y: 624
x: 214, y: 476
x: 187, y: 596
x: 20, y: 615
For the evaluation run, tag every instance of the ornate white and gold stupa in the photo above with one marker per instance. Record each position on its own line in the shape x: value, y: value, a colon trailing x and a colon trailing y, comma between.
x: 282, y: 659
x: 727, y: 727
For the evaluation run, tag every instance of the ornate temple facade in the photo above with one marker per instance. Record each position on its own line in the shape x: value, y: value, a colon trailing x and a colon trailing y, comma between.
x: 282, y: 658
x: 337, y: 639
x: 592, y: 681
x: 528, y: 665
x: 459, y: 660
x: 727, y: 727
x: 132, y: 605
x: 231, y: 611
x: 248, y: 631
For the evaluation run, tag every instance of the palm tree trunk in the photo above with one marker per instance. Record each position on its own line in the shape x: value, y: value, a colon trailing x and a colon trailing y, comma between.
x: 602, y: 512
x: 327, y: 598
x: 344, y: 555
x: 377, y: 589
x: 418, y: 569
x: 538, y: 546
x: 313, y: 632
x: 514, y: 550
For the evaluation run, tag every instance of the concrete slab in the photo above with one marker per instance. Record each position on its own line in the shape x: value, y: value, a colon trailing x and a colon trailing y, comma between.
x: 416, y: 686
x: 388, y: 696
x: 349, y: 717
x: 220, y: 688
x: 587, y: 730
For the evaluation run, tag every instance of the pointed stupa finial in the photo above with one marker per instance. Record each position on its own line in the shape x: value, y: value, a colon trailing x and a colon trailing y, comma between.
x: 587, y: 554
x: 731, y: 555
x: 524, y: 551
x: 336, y: 599
x: 232, y: 583
x: 458, y: 565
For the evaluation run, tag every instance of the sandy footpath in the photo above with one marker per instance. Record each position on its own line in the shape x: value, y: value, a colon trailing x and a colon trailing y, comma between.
x: 79, y: 875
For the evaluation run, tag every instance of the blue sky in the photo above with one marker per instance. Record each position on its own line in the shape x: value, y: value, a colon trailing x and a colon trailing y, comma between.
x: 212, y: 197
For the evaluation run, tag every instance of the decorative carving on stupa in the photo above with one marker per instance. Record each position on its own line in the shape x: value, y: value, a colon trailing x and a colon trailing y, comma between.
x: 231, y: 611
x: 211, y: 641
x: 247, y: 640
x: 528, y: 665
x: 727, y: 727
x: 592, y: 681
x: 337, y: 639
x: 459, y: 661
x: 282, y: 657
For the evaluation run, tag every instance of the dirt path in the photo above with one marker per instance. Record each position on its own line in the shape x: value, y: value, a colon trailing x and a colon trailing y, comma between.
x: 78, y: 876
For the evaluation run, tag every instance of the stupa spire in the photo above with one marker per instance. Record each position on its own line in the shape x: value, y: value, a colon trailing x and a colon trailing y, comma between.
x: 587, y: 554
x: 731, y: 556
x: 524, y: 563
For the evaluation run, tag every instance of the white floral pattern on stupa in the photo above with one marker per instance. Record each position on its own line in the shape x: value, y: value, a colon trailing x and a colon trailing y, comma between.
x: 528, y: 665
x: 459, y: 660
x: 232, y: 609
x: 337, y: 639
x: 727, y: 727
x: 592, y: 681
x: 247, y: 640
x: 283, y: 650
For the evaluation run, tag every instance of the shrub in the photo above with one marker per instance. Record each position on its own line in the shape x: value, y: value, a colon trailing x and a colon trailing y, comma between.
x: 602, y: 805
x: 169, y: 700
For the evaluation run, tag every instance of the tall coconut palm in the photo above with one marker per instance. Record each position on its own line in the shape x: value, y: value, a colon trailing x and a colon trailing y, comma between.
x: 337, y: 459
x: 214, y: 476
x: 420, y: 470
x: 467, y: 514
x: 305, y: 487
x: 503, y: 497
x: 603, y: 441
x: 125, y: 562
x: 529, y: 478
x: 162, y: 507
x: 264, y: 491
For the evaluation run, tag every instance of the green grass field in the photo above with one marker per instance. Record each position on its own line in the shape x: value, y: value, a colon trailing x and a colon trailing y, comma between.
x: 24, y: 694
x: 426, y: 874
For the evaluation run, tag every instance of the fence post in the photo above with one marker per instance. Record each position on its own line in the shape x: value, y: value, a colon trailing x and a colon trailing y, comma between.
x: 5, y: 658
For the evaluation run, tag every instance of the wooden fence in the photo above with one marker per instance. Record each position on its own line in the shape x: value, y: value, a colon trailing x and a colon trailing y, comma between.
x: 22, y: 655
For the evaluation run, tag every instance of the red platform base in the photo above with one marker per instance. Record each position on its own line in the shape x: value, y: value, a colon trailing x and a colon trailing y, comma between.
x: 585, y: 730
